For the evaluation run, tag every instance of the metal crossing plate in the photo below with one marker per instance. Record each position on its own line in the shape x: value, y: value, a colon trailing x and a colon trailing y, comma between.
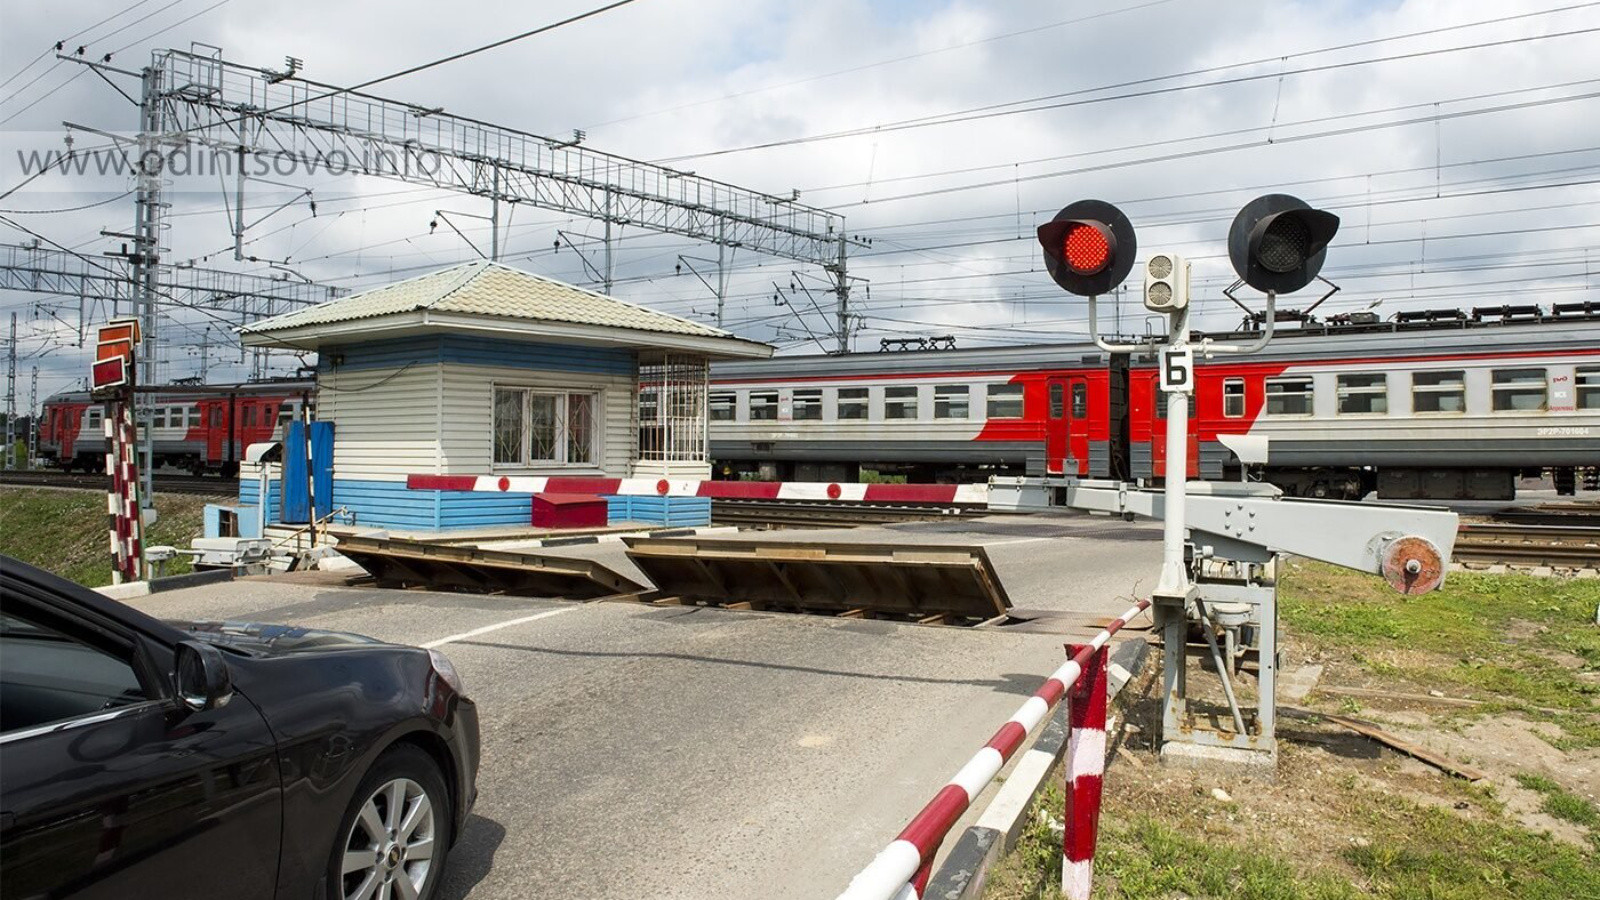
x: 846, y: 579
x: 396, y: 563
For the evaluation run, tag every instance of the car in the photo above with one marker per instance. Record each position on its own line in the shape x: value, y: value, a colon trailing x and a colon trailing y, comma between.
x: 141, y: 758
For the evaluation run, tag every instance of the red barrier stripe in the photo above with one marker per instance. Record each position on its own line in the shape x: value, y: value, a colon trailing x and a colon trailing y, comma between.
x: 1083, y: 811
x: 1008, y: 739
x: 911, y: 493
x: 739, y: 490
x: 441, y: 482
x: 1050, y: 691
x: 930, y: 826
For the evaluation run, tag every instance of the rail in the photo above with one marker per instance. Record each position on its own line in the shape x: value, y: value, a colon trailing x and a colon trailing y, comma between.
x: 901, y: 870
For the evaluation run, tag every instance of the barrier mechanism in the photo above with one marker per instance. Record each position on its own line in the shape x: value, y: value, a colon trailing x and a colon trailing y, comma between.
x: 899, y: 871
x: 406, y: 564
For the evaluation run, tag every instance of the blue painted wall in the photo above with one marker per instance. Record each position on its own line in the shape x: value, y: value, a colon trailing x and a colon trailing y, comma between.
x: 479, y: 351
x: 673, y: 512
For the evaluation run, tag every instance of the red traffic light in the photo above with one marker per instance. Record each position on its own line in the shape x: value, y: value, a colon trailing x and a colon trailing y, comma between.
x: 1088, y: 247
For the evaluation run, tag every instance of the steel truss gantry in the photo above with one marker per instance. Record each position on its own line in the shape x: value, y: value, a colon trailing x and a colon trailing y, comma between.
x: 255, y: 113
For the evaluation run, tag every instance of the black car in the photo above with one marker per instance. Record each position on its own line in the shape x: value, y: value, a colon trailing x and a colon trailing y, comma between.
x: 140, y: 758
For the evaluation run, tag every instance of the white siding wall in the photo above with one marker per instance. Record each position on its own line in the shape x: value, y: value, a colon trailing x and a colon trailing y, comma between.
x: 468, y: 403
x: 386, y: 421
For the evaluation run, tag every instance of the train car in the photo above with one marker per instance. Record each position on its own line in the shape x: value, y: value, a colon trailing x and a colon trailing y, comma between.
x: 202, y: 430
x: 1454, y: 406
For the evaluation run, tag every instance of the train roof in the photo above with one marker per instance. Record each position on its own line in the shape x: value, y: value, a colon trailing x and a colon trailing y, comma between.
x: 1292, y: 342
x: 183, y: 392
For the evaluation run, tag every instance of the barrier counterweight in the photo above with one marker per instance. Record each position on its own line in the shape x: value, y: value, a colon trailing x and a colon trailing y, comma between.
x: 893, y: 874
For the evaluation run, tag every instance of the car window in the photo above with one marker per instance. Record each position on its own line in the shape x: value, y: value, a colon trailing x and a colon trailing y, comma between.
x: 48, y: 676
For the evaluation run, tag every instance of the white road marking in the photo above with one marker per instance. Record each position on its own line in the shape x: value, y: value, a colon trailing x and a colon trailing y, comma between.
x: 499, y: 625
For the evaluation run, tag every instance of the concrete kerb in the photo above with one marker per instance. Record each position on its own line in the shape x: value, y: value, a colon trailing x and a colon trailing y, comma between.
x: 128, y: 590
x: 965, y: 870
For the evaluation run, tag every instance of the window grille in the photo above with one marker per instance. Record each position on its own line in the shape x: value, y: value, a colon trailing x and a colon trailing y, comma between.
x: 672, y: 408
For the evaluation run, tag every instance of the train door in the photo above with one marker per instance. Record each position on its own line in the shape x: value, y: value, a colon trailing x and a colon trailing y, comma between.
x: 1158, y: 435
x: 1066, y: 440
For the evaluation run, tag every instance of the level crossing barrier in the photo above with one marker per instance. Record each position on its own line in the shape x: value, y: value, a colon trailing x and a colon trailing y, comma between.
x: 816, y: 491
x: 900, y: 871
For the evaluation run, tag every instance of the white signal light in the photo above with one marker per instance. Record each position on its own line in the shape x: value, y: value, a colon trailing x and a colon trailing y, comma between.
x: 1166, y: 283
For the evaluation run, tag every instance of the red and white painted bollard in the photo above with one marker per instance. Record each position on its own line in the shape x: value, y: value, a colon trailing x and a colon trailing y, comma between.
x: 1086, y: 766
x: 122, y: 502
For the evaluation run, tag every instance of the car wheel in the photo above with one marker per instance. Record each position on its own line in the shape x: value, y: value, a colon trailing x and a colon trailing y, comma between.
x: 395, y: 835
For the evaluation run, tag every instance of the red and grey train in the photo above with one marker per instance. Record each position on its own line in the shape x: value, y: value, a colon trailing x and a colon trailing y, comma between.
x: 203, y: 430
x: 1443, y: 405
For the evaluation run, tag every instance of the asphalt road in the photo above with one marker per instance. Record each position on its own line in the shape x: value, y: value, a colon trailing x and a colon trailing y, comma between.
x: 644, y: 752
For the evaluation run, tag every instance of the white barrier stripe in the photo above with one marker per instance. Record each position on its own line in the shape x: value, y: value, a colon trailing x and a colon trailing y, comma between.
x: 1068, y: 673
x: 853, y: 492
x: 972, y: 493
x: 1013, y: 796
x: 804, y: 490
x: 888, y: 873
x: 1076, y: 878
x: 978, y: 771
x: 1100, y: 640
x: 1086, y: 752
x: 1031, y: 713
x: 907, y: 893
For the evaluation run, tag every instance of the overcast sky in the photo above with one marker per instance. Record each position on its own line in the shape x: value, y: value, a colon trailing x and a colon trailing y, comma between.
x: 1180, y: 111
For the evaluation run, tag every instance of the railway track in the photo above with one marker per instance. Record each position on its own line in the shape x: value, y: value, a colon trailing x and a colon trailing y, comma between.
x: 799, y: 514
x: 1562, y: 546
x: 169, y: 484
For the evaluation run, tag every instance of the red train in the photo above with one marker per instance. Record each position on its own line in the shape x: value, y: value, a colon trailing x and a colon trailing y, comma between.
x: 201, y: 429
x: 1447, y: 405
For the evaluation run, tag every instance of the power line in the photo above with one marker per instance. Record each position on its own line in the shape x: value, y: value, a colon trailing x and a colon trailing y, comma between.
x: 992, y: 111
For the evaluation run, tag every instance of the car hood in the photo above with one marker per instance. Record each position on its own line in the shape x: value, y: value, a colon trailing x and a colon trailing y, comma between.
x: 273, y: 640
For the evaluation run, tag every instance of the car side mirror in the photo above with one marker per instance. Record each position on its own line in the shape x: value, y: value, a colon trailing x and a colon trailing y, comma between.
x: 201, y: 679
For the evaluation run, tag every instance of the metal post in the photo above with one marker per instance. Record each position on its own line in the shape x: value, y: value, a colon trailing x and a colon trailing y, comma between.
x: 311, y: 481
x: 11, y: 396
x: 33, y: 418
x: 494, y: 218
x: 1174, y: 570
x: 842, y: 290
x: 611, y: 260
x: 147, y: 253
x: 722, y: 269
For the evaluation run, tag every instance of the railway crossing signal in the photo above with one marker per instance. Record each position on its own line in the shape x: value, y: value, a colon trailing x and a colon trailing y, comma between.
x: 1166, y: 283
x: 1088, y: 247
x: 1278, y: 243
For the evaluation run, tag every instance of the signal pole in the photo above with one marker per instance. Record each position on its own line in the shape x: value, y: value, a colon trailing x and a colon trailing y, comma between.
x: 11, y: 396
x: 146, y: 258
x: 33, y: 417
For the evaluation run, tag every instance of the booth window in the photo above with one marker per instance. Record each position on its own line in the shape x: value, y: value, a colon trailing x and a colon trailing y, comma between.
x: 540, y: 428
x: 1439, y: 392
x: 950, y: 401
x: 1519, y: 390
x: 1005, y: 401
x: 852, y: 403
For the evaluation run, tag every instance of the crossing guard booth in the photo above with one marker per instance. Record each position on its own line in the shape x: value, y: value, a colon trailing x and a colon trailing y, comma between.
x: 483, y: 369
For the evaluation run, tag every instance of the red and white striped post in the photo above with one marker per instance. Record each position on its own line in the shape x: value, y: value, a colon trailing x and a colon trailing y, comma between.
x: 900, y: 871
x: 126, y: 518
x: 1086, y: 766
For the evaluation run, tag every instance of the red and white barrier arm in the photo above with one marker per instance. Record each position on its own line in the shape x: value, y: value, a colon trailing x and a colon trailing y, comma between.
x: 1086, y: 767
x: 718, y: 490
x: 890, y: 874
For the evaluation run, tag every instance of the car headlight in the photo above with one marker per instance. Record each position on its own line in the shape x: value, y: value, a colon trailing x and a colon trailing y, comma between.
x: 446, y: 671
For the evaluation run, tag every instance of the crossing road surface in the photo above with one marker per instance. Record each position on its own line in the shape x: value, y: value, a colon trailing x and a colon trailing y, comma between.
x: 631, y: 751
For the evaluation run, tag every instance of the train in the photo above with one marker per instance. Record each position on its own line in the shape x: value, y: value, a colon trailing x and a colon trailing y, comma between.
x: 202, y: 429
x: 1438, y: 404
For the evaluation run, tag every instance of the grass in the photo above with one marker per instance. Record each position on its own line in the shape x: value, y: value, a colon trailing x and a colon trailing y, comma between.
x: 64, y: 531
x: 1565, y: 805
x: 1409, y: 852
x: 1517, y: 640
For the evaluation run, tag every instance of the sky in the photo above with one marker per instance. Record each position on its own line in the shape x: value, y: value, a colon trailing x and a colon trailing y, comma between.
x: 1459, y: 142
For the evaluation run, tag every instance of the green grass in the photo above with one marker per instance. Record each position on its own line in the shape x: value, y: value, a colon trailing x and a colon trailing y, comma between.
x: 1560, y: 803
x: 1464, y: 634
x: 1410, y: 852
x: 64, y: 531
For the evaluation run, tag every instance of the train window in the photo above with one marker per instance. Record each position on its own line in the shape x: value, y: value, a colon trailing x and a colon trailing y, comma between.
x: 724, y: 407
x: 1439, y: 392
x: 158, y: 417
x: 1363, y: 394
x: 249, y: 416
x: 1233, y: 397
x: 1588, y: 381
x: 286, y: 415
x: 900, y: 403
x: 1058, y: 400
x: 852, y: 403
x: 193, y: 416
x: 1518, y: 390
x: 1289, y: 397
x: 93, y: 418
x: 763, y: 406
x: 1080, y: 401
x: 1005, y: 401
x: 950, y: 401
x: 807, y: 405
